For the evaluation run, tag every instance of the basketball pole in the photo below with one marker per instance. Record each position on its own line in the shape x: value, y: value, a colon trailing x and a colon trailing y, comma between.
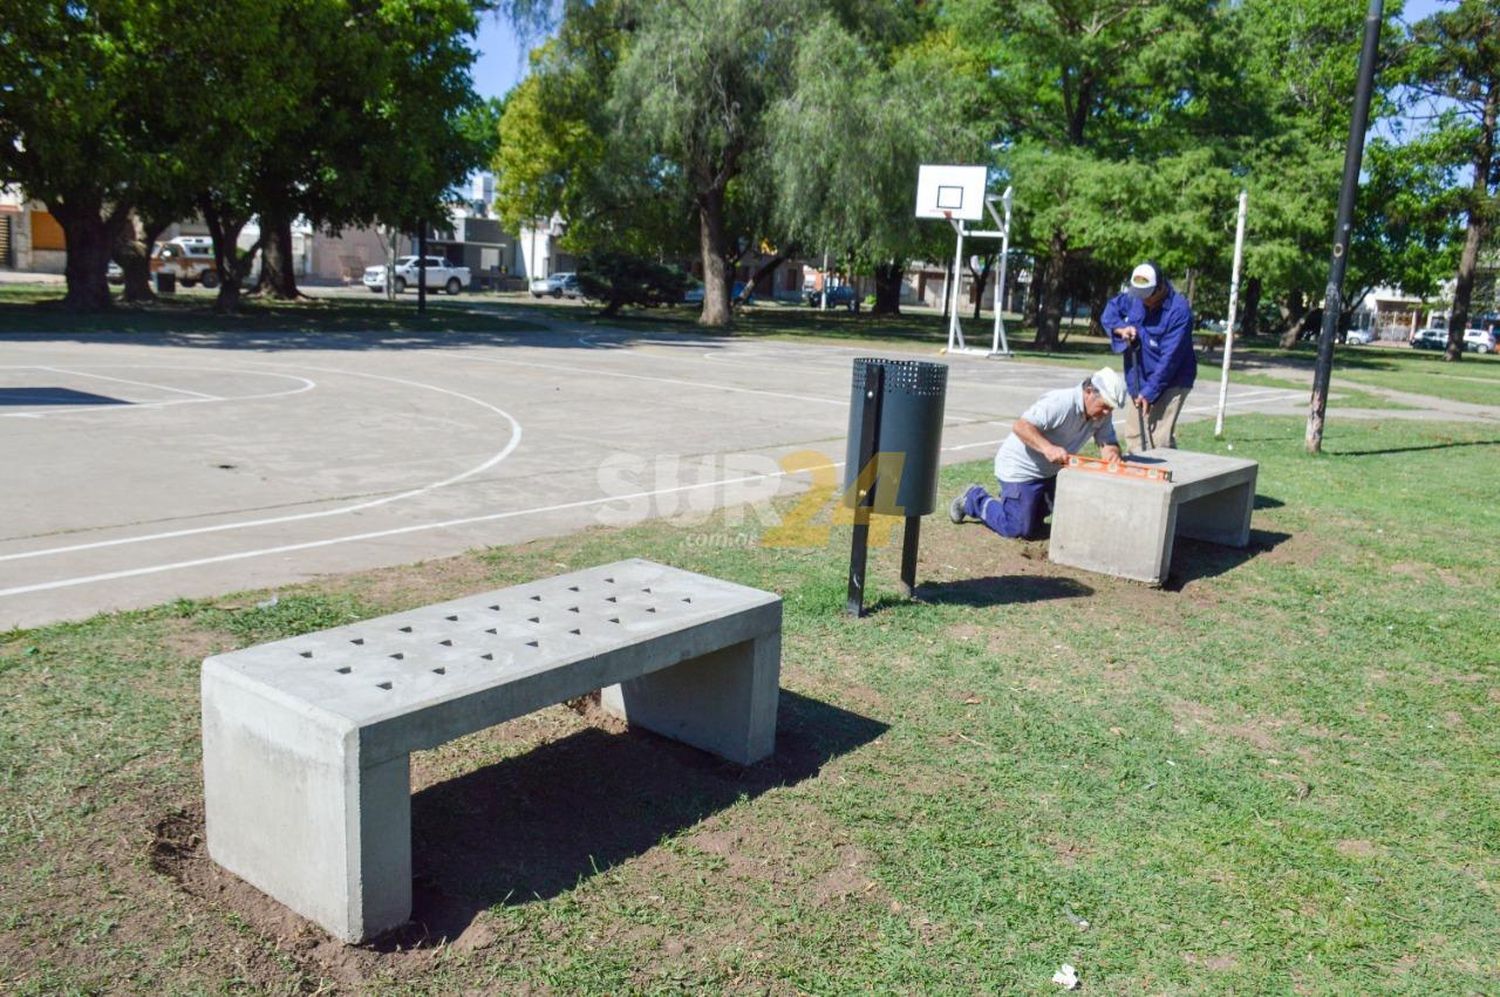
x: 955, y: 331
x: 1234, y: 294
x: 999, y: 347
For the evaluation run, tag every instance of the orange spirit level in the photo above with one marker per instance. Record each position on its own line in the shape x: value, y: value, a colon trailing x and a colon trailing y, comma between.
x: 1123, y: 468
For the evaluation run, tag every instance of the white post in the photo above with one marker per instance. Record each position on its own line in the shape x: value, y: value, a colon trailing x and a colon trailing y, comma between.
x: 999, y: 346
x: 955, y: 331
x: 1234, y: 295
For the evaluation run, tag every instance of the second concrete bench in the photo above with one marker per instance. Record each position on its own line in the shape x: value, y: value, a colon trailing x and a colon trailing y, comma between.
x: 306, y: 741
x: 1125, y: 526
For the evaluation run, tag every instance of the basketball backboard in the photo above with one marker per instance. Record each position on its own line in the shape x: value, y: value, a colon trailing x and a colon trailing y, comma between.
x: 955, y: 192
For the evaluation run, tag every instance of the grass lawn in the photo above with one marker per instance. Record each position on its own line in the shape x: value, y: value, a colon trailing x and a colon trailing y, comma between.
x: 1474, y: 379
x: 1278, y: 774
x: 34, y: 308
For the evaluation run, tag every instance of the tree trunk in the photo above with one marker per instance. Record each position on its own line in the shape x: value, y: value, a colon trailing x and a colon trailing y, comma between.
x: 767, y: 267
x: 981, y: 279
x: 278, y: 274
x: 947, y: 290
x: 1049, y: 322
x: 1480, y: 205
x: 132, y: 252
x: 233, y: 267
x: 888, y: 287
x: 90, y: 239
x: 1294, y: 317
x: 715, y: 271
x: 1250, y: 308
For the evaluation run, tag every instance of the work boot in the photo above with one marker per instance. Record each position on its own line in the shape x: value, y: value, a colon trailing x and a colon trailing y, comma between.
x: 956, y: 507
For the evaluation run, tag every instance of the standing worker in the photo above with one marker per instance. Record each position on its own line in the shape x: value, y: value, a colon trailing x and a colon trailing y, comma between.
x: 1153, y: 326
x: 1057, y: 424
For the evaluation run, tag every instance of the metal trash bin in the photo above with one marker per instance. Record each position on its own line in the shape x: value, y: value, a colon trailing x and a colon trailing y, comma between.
x: 166, y: 283
x: 910, y: 424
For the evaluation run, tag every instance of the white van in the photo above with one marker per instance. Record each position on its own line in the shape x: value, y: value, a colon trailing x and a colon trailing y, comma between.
x: 190, y: 258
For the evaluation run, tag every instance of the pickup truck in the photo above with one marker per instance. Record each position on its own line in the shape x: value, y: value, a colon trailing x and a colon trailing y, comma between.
x: 441, y: 275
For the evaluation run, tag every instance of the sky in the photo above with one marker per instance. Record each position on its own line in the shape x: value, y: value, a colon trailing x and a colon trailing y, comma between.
x: 501, y: 62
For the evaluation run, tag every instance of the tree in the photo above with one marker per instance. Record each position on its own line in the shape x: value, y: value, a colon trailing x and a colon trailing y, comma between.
x: 91, y: 106
x: 1455, y: 57
x: 696, y: 83
x: 846, y: 142
x: 1110, y: 119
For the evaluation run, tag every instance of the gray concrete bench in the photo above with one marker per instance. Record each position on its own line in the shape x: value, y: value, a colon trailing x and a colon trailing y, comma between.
x: 306, y: 740
x: 1125, y: 526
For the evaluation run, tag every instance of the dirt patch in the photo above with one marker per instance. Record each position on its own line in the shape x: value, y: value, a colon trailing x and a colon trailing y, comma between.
x: 1359, y: 848
x: 1213, y: 963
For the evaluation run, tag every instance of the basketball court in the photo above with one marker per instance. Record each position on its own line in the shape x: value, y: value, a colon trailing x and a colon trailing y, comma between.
x: 141, y: 469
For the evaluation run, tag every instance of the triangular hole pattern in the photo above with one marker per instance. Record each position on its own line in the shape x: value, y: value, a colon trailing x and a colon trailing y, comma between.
x: 399, y: 656
x: 452, y: 619
x: 533, y: 619
x: 533, y: 643
x: 536, y: 598
x: 344, y: 671
x: 488, y: 657
x: 573, y: 588
x: 440, y: 671
x: 446, y: 643
x: 576, y: 633
x: 406, y: 630
x: 306, y: 654
x: 382, y: 685
x: 357, y: 640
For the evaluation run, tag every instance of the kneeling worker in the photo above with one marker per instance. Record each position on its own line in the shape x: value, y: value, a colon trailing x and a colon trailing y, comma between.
x: 1055, y: 425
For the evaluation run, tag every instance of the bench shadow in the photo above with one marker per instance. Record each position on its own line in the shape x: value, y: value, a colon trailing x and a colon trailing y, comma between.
x: 1193, y: 560
x: 994, y: 590
x: 532, y: 827
x: 1267, y: 502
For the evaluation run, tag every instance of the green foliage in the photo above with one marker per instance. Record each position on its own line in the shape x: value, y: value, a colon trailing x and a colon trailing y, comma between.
x: 619, y: 279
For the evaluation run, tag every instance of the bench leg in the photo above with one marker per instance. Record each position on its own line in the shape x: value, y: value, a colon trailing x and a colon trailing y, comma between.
x: 290, y: 808
x: 1113, y: 526
x: 723, y: 702
x: 1222, y: 517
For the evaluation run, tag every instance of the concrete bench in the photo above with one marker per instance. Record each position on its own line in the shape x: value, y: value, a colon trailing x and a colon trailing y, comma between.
x: 306, y: 740
x: 1125, y: 526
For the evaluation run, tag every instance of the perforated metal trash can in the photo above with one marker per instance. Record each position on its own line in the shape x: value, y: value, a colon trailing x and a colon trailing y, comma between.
x: 911, y: 423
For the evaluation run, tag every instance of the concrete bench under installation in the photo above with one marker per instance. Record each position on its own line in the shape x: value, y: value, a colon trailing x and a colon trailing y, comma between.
x: 1125, y: 526
x: 306, y: 740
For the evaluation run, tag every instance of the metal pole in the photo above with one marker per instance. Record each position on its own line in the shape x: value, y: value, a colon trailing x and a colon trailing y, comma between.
x: 955, y: 331
x: 422, y: 267
x: 909, y: 541
x: 1333, y: 297
x: 1234, y: 298
x: 869, y: 439
x: 999, y: 345
x: 823, y: 279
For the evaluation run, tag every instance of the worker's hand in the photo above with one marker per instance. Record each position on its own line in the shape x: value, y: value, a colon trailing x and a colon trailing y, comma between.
x: 1110, y: 452
x: 1142, y: 404
x: 1126, y: 332
x: 1056, y: 455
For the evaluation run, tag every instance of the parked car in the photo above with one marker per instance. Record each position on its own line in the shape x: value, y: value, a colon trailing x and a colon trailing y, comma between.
x: 1479, y: 341
x: 842, y: 296
x: 556, y: 286
x: 113, y: 273
x: 1429, y: 339
x: 1360, y: 337
x: 441, y: 275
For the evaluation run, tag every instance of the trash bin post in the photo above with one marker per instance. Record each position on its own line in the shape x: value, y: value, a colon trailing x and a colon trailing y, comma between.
x: 869, y: 437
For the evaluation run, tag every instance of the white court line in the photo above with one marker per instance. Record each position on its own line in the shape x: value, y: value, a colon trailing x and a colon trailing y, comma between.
x: 139, y: 384
x: 307, y: 385
x: 401, y: 530
x: 515, y: 441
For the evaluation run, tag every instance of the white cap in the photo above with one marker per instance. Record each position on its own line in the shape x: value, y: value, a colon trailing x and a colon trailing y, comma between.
x: 1143, y: 280
x: 1110, y: 385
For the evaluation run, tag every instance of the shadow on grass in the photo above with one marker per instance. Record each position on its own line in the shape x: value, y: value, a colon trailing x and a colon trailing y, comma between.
x: 995, y: 590
x: 1193, y: 560
x: 1428, y: 446
x: 532, y: 827
x: 1267, y: 502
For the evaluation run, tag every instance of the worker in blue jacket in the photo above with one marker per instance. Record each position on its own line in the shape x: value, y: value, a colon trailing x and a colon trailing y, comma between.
x: 1153, y: 326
